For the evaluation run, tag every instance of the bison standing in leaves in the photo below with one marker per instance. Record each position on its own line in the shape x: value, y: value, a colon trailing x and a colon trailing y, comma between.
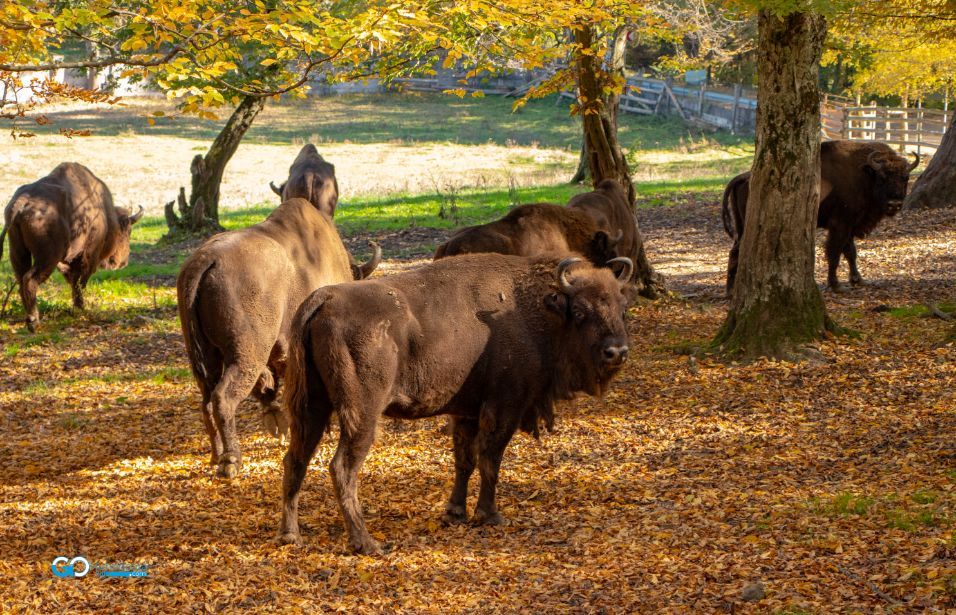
x: 535, y: 229
x: 492, y: 340
x: 237, y: 294
x: 64, y: 221
x: 860, y: 184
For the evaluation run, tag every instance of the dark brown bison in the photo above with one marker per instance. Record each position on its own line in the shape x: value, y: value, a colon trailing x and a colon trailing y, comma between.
x: 237, y: 295
x: 492, y: 340
x: 65, y: 220
x: 533, y: 230
x: 311, y: 178
x: 860, y: 184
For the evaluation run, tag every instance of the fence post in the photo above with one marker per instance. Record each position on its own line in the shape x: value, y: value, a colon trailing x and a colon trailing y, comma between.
x: 845, y: 129
x: 700, y: 99
x: 919, y: 126
x: 733, y: 113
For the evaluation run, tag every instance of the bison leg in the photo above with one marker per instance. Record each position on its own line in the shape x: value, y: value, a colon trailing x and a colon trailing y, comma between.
x: 274, y: 419
x: 295, y: 463
x: 215, y: 442
x: 732, y: 262
x: 29, y: 285
x: 235, y: 385
x: 353, y: 447
x: 837, y: 237
x: 465, y: 431
x: 77, y: 282
x: 491, y: 448
x: 849, y: 251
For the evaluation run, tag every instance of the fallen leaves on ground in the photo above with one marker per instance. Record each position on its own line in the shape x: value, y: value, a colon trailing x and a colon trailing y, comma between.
x: 693, y: 486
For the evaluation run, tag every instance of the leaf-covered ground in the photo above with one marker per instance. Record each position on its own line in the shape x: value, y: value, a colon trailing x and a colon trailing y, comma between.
x: 831, y: 486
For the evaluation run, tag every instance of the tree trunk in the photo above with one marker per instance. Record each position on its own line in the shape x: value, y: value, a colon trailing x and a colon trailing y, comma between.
x: 936, y: 187
x: 605, y: 157
x: 200, y: 214
x: 775, y: 305
x: 584, y: 171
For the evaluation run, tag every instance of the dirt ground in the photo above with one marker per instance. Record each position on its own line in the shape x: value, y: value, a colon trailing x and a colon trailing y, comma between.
x: 694, y: 486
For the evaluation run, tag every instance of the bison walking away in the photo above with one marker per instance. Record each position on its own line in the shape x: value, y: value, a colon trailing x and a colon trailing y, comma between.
x: 65, y: 220
x: 311, y: 178
x: 490, y: 339
x: 533, y: 230
x: 860, y: 184
x: 237, y: 295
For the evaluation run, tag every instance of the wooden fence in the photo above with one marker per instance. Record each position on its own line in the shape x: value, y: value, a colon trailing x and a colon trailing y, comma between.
x: 908, y: 129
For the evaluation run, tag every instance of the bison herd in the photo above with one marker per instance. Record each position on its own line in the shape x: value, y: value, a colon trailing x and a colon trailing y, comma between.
x: 512, y: 315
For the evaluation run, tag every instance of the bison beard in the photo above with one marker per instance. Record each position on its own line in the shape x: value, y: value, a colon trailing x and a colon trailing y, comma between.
x: 64, y: 221
x: 860, y: 184
x: 491, y: 340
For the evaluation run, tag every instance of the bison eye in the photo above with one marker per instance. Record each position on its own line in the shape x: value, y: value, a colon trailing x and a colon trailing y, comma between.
x: 579, y: 315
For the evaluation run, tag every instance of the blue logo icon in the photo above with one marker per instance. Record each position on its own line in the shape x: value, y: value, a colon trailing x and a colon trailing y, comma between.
x: 65, y: 568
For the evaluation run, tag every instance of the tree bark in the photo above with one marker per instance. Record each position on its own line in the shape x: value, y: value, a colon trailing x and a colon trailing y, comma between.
x: 604, y: 155
x: 200, y: 213
x: 936, y: 187
x: 776, y: 306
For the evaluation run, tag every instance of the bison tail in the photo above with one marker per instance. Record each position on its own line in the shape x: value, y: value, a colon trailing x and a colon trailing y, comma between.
x: 725, y: 214
x: 197, y: 345
x: 302, y: 380
x: 14, y: 211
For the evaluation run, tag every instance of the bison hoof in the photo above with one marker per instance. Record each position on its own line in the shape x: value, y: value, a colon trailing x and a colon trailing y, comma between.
x: 368, y: 546
x: 228, y: 466
x: 455, y: 515
x: 483, y: 518
x: 857, y: 281
x: 835, y: 288
x: 289, y: 538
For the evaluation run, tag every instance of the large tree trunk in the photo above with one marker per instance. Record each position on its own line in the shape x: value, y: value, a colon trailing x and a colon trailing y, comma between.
x: 936, y: 187
x: 605, y: 157
x: 200, y: 214
x: 775, y: 305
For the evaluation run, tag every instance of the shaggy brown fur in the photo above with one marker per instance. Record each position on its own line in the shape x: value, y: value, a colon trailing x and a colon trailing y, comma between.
x: 490, y: 339
x: 313, y: 179
x: 237, y: 295
x: 532, y: 230
x: 611, y: 211
x: 860, y: 184
x: 65, y: 220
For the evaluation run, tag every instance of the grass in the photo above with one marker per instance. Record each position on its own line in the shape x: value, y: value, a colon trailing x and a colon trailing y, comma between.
x: 909, y: 513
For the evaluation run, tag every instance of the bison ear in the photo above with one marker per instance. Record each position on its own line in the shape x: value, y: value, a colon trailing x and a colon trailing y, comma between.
x: 278, y: 190
x: 557, y: 303
x: 137, y: 216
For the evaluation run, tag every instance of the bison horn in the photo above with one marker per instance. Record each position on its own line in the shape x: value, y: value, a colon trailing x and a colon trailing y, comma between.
x: 562, y: 271
x: 873, y: 161
x: 373, y: 262
x: 915, y: 161
x: 135, y: 217
x: 275, y: 189
x: 625, y: 275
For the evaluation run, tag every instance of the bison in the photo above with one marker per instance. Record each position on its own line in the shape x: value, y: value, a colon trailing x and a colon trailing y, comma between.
x: 610, y: 209
x: 535, y: 229
x: 492, y: 340
x: 64, y: 221
x: 860, y: 184
x: 311, y: 178
x: 237, y: 294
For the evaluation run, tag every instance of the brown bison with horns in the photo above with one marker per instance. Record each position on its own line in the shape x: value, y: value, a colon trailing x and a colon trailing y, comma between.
x: 535, y: 229
x: 64, y: 221
x: 860, y: 184
x: 490, y: 339
x: 237, y: 295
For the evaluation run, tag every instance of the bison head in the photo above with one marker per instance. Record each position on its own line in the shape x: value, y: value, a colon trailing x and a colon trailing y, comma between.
x: 890, y: 176
x: 591, y: 305
x: 119, y: 257
x: 602, y: 247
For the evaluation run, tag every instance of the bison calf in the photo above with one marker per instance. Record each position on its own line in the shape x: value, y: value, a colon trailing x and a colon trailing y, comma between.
x: 237, y: 295
x: 492, y: 340
x: 64, y: 221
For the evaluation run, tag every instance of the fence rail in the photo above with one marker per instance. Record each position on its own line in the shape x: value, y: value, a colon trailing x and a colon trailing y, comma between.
x: 908, y: 129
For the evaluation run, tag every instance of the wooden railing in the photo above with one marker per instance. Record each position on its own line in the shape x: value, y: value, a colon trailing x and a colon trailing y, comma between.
x: 909, y: 129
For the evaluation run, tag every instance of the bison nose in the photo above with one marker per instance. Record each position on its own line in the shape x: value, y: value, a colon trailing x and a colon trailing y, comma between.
x: 615, y: 355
